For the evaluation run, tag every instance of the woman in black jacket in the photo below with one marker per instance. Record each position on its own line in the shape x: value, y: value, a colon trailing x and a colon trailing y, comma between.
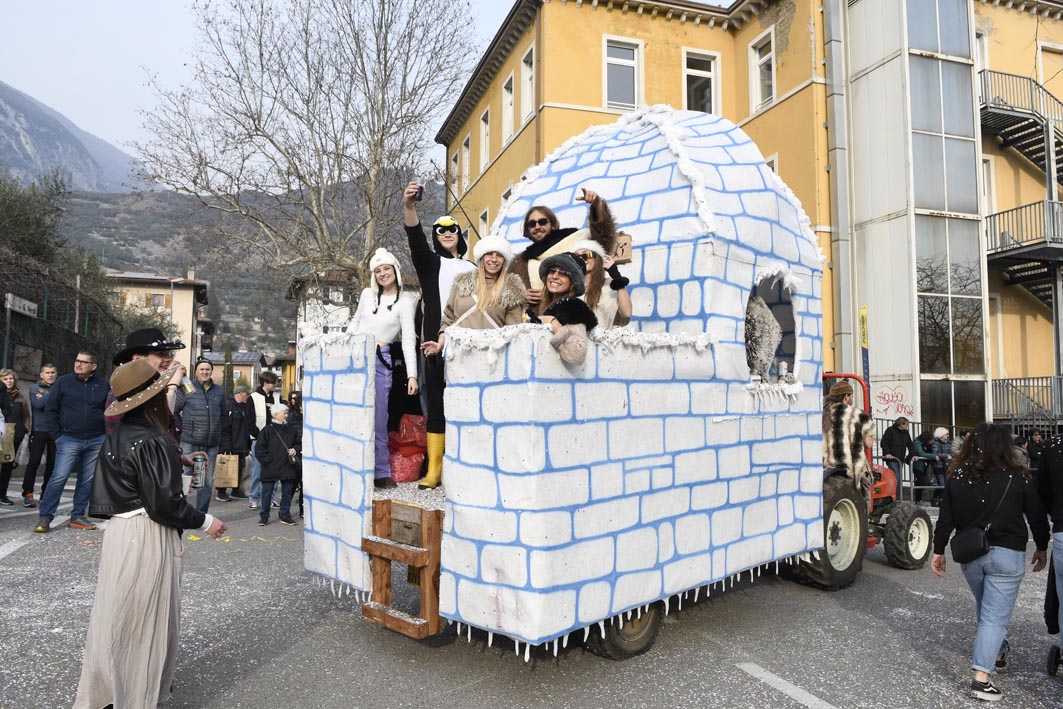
x: 987, y: 487
x: 131, y: 650
x: 279, y: 448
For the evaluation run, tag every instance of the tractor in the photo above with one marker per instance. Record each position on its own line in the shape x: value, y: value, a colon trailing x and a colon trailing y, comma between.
x: 850, y: 528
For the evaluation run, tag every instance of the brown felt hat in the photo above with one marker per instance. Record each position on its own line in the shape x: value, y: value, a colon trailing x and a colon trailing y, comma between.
x: 841, y: 389
x: 134, y: 384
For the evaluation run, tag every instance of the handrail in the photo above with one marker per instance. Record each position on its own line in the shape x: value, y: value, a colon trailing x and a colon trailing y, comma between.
x: 1037, y: 221
x: 1029, y: 397
x: 1011, y: 92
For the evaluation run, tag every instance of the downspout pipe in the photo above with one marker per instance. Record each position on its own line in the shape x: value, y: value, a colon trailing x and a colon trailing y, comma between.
x: 843, y: 338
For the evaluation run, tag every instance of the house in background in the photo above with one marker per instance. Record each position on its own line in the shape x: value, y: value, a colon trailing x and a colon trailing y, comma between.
x: 921, y: 137
x: 284, y: 366
x: 180, y: 298
x: 245, y: 364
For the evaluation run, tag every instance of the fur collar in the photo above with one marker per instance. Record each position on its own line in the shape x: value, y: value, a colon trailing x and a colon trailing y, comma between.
x: 512, y: 294
x: 538, y: 248
x: 843, y: 441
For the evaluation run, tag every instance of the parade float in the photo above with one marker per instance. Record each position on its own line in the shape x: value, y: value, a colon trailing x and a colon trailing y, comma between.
x: 584, y: 501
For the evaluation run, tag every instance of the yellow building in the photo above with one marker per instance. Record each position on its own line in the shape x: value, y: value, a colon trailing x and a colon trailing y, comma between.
x: 873, y: 112
x: 180, y: 298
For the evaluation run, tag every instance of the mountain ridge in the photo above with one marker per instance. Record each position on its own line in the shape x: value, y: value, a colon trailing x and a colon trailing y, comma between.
x: 36, y: 139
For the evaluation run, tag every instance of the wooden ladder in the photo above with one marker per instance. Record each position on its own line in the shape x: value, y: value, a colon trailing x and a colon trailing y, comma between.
x: 408, y: 534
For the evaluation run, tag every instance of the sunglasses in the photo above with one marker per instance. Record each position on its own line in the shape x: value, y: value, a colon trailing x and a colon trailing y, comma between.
x: 541, y: 221
x: 453, y: 229
x: 559, y: 271
x: 587, y: 255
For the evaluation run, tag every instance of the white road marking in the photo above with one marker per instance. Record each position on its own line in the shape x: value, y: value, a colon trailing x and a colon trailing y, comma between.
x: 32, y: 512
x: 15, y: 544
x: 792, y: 691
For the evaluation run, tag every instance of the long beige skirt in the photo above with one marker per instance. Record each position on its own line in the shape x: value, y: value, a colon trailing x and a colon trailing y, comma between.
x: 131, y: 648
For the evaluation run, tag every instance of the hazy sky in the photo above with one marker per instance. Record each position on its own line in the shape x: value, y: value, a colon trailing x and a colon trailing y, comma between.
x: 90, y: 60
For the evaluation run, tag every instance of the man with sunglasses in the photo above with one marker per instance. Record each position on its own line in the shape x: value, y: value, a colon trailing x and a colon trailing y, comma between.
x: 436, y: 270
x: 541, y: 226
x: 73, y: 417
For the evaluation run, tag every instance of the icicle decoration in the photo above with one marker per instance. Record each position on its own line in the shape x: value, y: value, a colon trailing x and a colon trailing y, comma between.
x: 555, y: 647
x: 470, y: 633
x: 490, y: 638
x: 527, y: 651
x: 564, y: 643
x: 601, y: 627
x: 516, y: 647
x: 587, y: 633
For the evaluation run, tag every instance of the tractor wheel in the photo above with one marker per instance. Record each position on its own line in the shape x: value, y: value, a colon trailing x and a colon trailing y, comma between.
x: 908, y: 535
x: 636, y: 637
x: 1053, y: 662
x: 844, y: 538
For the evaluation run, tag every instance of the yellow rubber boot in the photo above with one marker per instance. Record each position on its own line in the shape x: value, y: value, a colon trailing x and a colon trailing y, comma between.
x: 436, y: 445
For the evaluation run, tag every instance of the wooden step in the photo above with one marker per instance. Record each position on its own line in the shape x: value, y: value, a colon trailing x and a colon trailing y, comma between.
x: 395, y: 551
x: 408, y: 625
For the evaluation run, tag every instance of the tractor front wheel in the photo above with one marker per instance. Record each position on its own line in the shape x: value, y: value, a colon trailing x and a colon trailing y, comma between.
x: 844, y: 538
x: 908, y: 535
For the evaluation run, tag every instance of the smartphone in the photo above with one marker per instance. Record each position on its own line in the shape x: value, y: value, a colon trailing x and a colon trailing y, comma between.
x: 420, y: 191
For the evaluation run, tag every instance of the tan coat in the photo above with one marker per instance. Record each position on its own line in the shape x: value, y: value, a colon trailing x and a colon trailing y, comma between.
x: 508, y: 310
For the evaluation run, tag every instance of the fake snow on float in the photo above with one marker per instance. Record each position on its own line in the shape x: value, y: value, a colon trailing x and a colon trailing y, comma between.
x: 578, y: 496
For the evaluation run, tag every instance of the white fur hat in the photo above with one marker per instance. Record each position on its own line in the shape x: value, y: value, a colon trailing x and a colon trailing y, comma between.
x: 492, y: 243
x: 383, y: 257
x: 588, y: 245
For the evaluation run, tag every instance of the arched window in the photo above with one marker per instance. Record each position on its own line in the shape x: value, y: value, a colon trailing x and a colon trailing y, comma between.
x: 771, y: 331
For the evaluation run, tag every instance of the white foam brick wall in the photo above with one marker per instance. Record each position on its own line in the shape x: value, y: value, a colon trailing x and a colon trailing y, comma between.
x: 575, y: 494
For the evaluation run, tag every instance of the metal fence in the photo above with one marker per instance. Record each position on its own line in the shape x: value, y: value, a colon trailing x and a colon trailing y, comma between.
x: 67, y: 320
x: 1034, y: 222
x: 907, y: 487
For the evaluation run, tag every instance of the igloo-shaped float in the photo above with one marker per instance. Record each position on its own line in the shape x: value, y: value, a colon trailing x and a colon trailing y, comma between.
x: 577, y: 494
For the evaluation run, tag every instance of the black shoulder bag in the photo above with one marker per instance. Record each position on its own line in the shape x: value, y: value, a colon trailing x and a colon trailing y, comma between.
x: 972, y: 543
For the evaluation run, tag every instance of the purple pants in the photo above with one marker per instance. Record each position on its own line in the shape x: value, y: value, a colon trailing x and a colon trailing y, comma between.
x: 382, y: 468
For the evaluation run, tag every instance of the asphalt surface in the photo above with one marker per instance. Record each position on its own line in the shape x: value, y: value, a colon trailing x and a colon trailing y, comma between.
x: 259, y: 632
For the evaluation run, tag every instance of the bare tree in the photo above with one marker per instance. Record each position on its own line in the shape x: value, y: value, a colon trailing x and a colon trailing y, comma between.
x: 305, y: 118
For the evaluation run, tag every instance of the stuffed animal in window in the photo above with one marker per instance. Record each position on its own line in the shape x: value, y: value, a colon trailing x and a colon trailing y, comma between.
x: 763, y: 335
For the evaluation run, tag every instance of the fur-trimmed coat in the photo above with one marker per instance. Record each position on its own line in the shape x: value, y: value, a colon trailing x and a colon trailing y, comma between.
x: 844, y: 430
x: 601, y: 229
x: 508, y: 309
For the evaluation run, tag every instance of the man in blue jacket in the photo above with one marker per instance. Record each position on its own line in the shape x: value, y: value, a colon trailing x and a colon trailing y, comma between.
x: 73, y: 416
x: 42, y: 445
x: 198, y: 409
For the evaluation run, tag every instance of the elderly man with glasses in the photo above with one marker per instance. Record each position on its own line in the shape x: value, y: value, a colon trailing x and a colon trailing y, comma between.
x: 73, y: 417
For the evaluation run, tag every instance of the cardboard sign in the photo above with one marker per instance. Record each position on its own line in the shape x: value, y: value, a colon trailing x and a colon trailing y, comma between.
x: 622, y: 252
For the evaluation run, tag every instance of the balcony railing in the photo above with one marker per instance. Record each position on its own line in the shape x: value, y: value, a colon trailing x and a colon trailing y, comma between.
x: 1028, y: 224
x: 1018, y: 94
x: 1037, y: 400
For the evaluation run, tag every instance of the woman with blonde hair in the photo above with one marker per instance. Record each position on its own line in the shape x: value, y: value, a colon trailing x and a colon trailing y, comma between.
x: 484, y: 299
x: 20, y: 418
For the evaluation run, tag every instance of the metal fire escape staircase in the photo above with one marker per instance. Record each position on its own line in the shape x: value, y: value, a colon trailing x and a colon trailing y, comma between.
x: 1026, y: 243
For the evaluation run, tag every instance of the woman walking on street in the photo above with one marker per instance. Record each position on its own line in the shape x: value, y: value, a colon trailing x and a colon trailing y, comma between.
x: 131, y: 650
x: 987, y: 488
x: 20, y: 417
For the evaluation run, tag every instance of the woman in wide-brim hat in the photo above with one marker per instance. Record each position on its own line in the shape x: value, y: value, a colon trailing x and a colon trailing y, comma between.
x: 131, y: 649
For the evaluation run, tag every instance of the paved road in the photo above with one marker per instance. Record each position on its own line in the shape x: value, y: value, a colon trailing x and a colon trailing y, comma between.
x: 258, y: 632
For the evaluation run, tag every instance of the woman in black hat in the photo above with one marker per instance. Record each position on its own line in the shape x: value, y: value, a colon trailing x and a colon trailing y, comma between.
x: 561, y: 308
x: 131, y: 649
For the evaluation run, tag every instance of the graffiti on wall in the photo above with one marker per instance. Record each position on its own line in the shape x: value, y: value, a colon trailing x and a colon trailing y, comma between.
x: 893, y: 400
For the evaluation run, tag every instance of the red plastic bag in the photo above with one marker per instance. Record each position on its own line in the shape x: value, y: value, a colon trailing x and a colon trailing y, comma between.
x: 412, y: 437
x: 406, y: 467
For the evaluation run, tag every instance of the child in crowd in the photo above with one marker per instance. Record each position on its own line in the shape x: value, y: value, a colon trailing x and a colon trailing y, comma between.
x: 384, y: 312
